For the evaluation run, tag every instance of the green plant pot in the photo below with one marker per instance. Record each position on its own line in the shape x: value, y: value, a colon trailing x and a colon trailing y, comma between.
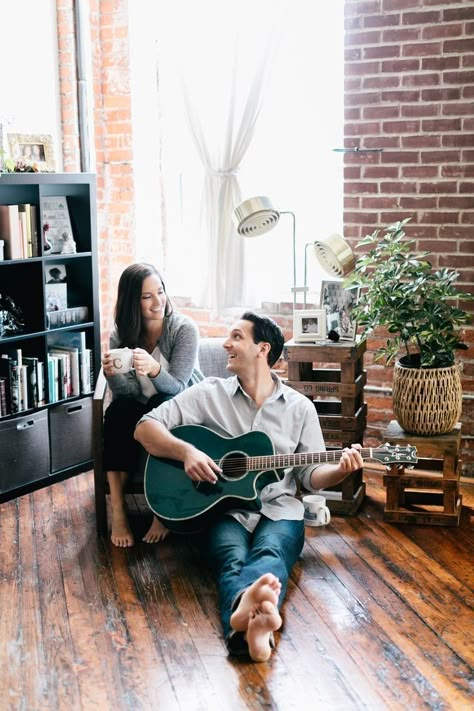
x: 426, y: 401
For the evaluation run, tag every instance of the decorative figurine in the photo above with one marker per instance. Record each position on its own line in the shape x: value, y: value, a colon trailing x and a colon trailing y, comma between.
x: 68, y: 244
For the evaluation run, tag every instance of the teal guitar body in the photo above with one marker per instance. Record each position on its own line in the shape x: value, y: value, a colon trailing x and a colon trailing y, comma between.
x: 248, y: 464
x: 186, y: 506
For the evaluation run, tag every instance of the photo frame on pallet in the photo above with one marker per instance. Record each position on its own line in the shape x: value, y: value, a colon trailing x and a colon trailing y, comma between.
x: 338, y: 303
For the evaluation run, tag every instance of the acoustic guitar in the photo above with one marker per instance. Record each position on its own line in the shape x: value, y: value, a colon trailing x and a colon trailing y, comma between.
x: 248, y: 464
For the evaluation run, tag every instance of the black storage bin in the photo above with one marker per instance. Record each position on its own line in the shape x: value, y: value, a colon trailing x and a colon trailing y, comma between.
x: 24, y: 450
x: 70, y: 426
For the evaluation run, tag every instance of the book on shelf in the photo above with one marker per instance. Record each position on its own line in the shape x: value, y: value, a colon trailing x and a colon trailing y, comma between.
x: 32, y: 380
x: 67, y: 317
x: 34, y: 230
x: 24, y: 212
x: 3, y: 397
x: 53, y: 379
x: 10, y: 231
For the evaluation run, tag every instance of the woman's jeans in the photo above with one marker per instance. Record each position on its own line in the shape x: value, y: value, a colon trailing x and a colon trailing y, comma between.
x: 239, y: 557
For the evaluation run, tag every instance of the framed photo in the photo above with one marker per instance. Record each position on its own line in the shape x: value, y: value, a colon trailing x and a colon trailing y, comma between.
x: 56, y: 297
x: 309, y: 326
x: 338, y: 303
x: 33, y: 148
x: 55, y: 274
x: 56, y: 225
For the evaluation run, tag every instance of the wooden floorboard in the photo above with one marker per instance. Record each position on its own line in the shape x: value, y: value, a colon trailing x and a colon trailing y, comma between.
x: 378, y: 616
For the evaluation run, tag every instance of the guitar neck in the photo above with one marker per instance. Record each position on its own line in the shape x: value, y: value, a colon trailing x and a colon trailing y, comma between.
x: 302, y: 459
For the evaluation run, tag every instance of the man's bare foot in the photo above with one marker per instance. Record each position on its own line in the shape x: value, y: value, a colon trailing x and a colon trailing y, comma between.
x: 263, y: 620
x: 156, y: 533
x: 266, y: 588
x: 121, y: 535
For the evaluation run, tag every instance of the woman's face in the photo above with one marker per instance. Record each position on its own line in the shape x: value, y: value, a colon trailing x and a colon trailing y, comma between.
x: 153, y: 299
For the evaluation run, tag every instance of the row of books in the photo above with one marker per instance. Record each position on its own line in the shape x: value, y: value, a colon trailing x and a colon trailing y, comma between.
x: 22, y: 383
x: 25, y: 385
x: 19, y: 230
x: 70, y: 372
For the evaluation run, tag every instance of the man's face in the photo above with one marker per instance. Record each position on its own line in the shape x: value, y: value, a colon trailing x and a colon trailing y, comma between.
x: 241, y: 349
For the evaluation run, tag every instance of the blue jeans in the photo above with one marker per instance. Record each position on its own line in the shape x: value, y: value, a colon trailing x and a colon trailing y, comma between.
x: 239, y: 557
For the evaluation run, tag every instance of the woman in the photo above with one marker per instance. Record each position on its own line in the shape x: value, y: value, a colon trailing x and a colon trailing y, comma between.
x: 165, y: 362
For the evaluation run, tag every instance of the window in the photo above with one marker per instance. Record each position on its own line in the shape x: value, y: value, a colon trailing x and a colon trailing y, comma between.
x: 289, y: 158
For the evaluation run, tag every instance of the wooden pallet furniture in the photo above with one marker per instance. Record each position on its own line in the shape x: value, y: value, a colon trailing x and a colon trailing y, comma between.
x: 428, y: 494
x: 332, y: 376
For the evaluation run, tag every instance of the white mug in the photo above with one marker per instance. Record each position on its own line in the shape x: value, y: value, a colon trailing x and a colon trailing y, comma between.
x: 316, y: 513
x: 122, y: 359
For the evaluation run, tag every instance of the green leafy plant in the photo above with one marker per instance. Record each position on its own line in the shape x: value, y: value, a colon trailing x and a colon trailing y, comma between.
x: 401, y: 292
x: 20, y: 165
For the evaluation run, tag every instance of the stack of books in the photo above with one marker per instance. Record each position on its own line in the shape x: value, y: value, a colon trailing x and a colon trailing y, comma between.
x: 70, y: 366
x: 19, y: 230
x: 22, y: 383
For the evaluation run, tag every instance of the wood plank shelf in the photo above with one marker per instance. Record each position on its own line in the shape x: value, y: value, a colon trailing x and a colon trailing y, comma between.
x: 333, y: 378
x: 428, y: 494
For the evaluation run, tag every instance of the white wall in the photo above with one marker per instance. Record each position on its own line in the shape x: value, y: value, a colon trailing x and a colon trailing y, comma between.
x: 29, y: 82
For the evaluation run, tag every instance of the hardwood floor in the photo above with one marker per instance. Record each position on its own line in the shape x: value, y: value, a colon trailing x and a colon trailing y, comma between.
x: 378, y: 616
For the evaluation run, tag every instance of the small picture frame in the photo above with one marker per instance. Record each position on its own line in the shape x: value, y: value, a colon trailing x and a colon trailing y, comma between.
x: 56, y: 296
x: 33, y: 148
x: 338, y: 303
x: 56, y: 225
x: 309, y: 325
x: 55, y: 274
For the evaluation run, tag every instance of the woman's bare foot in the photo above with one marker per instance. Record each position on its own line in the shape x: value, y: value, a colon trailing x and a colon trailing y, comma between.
x: 121, y: 535
x: 263, y: 620
x: 156, y: 533
x: 266, y: 588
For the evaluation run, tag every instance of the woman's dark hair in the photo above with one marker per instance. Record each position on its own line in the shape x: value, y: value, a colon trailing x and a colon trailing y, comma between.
x: 268, y: 331
x: 128, y: 313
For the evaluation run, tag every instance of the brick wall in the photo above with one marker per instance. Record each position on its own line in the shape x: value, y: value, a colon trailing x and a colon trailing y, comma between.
x: 113, y: 134
x: 409, y: 89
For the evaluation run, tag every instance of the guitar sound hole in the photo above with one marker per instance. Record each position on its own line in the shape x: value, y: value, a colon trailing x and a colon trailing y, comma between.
x: 233, y: 465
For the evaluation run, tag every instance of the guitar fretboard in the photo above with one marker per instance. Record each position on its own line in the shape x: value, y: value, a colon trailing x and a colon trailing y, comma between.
x: 281, y: 461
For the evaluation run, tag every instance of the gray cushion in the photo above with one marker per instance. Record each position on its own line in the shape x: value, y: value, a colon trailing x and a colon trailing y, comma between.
x: 213, y: 357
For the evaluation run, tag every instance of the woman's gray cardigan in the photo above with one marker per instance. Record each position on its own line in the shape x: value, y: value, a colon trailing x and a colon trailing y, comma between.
x: 179, y: 343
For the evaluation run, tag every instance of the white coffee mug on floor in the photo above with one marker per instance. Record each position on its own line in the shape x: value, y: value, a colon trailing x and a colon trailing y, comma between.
x: 122, y: 359
x: 316, y: 513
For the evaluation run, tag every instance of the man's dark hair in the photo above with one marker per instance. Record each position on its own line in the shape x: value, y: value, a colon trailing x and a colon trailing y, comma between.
x: 267, y: 330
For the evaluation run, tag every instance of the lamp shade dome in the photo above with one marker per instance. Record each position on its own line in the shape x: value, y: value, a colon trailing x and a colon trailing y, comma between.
x: 335, y: 255
x: 255, y: 216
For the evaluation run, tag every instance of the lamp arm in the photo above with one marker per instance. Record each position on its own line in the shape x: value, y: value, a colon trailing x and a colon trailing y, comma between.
x: 288, y: 212
x: 305, y: 284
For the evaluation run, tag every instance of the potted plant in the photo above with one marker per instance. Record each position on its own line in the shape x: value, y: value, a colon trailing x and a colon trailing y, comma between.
x: 400, y: 291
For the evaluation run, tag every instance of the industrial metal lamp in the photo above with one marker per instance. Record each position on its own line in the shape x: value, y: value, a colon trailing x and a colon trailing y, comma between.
x: 256, y: 216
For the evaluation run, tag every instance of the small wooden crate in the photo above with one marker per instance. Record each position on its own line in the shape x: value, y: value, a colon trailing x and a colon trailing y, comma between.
x: 332, y: 376
x: 428, y: 494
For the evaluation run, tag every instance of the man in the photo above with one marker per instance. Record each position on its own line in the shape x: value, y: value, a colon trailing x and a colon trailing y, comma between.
x: 251, y: 552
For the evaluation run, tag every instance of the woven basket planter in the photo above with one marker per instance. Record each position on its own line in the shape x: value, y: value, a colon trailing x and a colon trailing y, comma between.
x: 427, y: 401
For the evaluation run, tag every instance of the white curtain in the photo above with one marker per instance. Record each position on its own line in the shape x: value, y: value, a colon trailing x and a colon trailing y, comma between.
x: 224, y: 53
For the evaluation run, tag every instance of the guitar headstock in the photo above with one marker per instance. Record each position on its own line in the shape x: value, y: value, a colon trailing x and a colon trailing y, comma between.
x: 389, y: 454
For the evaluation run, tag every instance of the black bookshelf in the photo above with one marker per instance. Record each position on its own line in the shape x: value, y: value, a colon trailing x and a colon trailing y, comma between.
x: 49, y: 439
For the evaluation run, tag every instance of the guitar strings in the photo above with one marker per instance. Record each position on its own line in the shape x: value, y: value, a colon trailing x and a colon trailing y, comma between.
x: 239, y: 464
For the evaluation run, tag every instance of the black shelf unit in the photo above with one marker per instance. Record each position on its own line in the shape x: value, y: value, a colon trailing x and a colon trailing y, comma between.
x: 44, y: 444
